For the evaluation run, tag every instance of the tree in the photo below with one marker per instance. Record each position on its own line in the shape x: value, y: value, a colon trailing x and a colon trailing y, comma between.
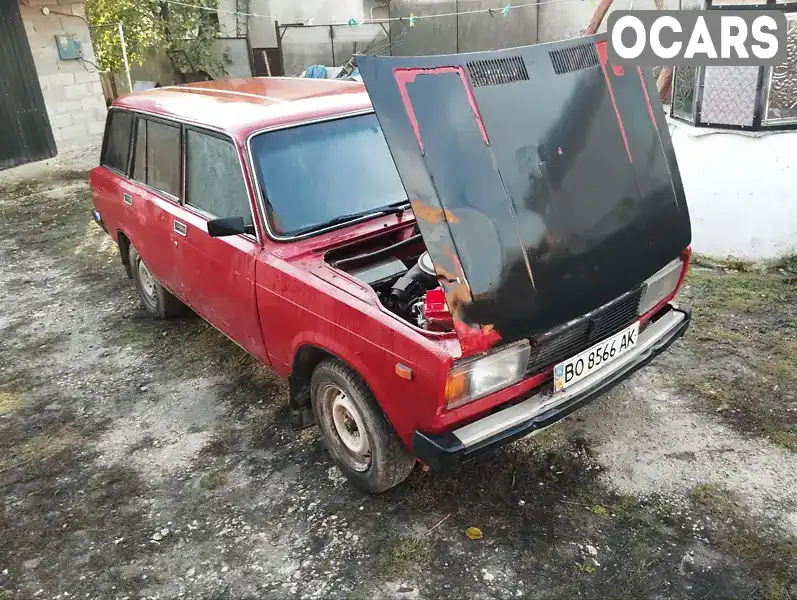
x: 185, y: 33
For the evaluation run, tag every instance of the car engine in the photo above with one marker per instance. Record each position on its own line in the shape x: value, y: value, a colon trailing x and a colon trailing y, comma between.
x: 405, y: 282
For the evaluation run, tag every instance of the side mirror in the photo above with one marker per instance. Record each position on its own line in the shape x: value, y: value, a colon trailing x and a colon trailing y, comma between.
x: 229, y: 226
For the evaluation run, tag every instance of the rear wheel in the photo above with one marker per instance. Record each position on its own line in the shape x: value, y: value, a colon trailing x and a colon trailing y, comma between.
x: 356, y: 433
x: 156, y: 299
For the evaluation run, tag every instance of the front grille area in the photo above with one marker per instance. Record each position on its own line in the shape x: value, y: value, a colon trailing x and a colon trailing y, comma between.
x: 564, y: 342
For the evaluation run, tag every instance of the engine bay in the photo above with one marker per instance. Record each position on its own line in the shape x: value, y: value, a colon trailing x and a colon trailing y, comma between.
x: 401, y: 272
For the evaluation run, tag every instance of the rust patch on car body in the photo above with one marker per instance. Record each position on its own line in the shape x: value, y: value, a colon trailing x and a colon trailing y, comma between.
x: 431, y: 214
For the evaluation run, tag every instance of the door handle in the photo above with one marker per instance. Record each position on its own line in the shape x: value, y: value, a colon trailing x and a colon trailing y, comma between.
x: 127, y: 199
x: 180, y: 228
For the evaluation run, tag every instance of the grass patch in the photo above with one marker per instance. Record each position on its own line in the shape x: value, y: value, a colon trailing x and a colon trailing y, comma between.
x: 771, y: 562
x: 144, y: 443
x: 729, y: 264
x: 641, y: 544
x: 49, y: 443
x: 191, y: 347
x: 215, y: 479
x: 225, y: 440
x: 743, y: 318
x: 10, y: 402
x: 21, y: 344
x: 51, y: 216
x: 787, y: 439
x: 136, y: 333
x: 716, y: 501
x: 112, y: 484
x: 403, y: 554
x: 29, y: 454
x: 749, y: 401
x: 262, y: 427
x: 718, y: 292
x: 786, y: 263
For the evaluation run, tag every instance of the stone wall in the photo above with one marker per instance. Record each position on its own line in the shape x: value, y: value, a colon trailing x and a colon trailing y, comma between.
x: 71, y: 88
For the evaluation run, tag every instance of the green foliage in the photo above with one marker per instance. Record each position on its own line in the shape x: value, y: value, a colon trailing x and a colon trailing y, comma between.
x: 185, y: 33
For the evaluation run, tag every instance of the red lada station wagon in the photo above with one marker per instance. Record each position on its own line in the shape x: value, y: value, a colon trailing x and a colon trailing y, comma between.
x: 456, y: 254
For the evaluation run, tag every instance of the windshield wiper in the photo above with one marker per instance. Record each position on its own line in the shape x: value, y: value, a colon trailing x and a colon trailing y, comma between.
x: 393, y: 209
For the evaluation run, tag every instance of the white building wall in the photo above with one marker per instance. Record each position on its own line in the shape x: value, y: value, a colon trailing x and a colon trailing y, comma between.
x: 228, y: 23
x: 262, y: 33
x: 304, y: 47
x: 72, y: 90
x: 565, y: 20
x: 741, y: 189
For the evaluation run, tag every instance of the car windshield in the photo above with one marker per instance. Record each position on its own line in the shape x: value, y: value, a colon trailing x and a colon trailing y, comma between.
x: 312, y: 175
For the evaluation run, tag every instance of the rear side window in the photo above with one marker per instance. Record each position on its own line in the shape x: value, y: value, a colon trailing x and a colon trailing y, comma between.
x: 163, y: 157
x: 117, y: 140
x: 139, y: 172
x: 214, y: 180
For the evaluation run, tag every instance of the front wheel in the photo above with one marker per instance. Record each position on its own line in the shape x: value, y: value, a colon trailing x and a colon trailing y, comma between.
x: 357, y: 435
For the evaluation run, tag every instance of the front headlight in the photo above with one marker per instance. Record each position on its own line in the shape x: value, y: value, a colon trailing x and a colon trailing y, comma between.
x: 478, y: 377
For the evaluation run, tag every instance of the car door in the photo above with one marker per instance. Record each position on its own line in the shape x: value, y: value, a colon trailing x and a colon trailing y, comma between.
x: 153, y: 196
x: 218, y: 274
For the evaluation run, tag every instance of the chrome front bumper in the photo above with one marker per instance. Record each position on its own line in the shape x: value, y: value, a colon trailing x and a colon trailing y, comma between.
x: 544, y: 408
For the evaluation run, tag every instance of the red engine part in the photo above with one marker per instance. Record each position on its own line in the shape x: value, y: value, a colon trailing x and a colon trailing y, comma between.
x: 436, y: 312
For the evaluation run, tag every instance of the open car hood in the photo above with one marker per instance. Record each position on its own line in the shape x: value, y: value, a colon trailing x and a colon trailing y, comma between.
x: 543, y: 179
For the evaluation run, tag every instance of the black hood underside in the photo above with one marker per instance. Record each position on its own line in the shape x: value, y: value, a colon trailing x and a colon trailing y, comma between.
x: 543, y: 178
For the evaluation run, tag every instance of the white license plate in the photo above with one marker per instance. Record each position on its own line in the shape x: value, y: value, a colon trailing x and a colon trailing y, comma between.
x: 593, y: 359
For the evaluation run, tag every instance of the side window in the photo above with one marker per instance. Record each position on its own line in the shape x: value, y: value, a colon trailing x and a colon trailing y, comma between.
x: 140, y: 152
x: 214, y: 181
x: 117, y: 140
x: 163, y: 157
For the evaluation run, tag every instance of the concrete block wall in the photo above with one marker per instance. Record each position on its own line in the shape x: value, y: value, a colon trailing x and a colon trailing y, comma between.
x: 464, y: 33
x: 261, y: 31
x: 71, y: 88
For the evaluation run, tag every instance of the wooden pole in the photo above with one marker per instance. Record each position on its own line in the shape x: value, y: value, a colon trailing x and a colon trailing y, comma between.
x: 597, y: 17
x: 125, y: 62
x: 664, y: 83
x: 278, y: 32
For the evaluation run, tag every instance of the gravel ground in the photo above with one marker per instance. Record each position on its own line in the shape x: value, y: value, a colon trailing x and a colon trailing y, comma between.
x: 141, y: 459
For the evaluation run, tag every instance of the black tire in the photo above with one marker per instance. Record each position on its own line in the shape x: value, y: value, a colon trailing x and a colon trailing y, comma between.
x: 390, y: 463
x: 155, y: 299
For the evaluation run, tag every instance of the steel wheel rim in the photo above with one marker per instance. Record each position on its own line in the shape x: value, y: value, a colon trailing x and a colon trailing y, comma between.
x: 147, y: 282
x: 348, y: 427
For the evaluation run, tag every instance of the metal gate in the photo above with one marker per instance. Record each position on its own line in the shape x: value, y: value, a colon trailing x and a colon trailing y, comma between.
x: 26, y: 134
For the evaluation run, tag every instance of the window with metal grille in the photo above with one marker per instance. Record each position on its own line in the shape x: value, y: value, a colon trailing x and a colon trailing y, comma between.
x: 497, y: 71
x: 574, y: 58
x: 749, y: 97
x: 781, y: 82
